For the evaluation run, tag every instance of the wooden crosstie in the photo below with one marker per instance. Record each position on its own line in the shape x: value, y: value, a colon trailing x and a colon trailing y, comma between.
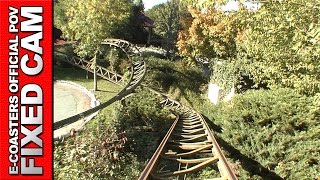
x: 188, y: 146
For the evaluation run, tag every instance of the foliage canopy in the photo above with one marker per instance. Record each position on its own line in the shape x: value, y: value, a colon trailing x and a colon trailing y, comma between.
x: 167, y: 21
x: 277, y: 45
x: 90, y: 22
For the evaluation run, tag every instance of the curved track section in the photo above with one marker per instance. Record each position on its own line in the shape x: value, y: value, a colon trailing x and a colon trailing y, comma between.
x: 86, y: 65
x: 138, y: 70
x: 202, y: 60
x: 189, y: 144
x: 125, y: 46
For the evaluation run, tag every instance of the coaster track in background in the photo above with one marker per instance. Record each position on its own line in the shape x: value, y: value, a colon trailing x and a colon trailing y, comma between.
x: 189, y: 144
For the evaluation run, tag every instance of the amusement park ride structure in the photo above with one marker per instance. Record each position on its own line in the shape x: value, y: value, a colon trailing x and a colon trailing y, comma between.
x: 189, y: 144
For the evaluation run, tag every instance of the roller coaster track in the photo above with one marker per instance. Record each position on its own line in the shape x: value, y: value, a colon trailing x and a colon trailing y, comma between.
x: 189, y: 144
x: 202, y: 60
x: 138, y: 70
x: 87, y: 65
x: 125, y: 46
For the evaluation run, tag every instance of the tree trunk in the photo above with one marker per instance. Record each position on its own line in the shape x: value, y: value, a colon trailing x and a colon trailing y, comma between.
x: 149, y: 35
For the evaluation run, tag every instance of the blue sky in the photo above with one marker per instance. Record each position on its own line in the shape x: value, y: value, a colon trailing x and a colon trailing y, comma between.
x: 150, y: 3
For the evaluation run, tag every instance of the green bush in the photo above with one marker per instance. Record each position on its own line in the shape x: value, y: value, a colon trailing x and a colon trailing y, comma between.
x: 98, y: 152
x: 58, y: 58
x: 279, y: 129
x: 117, y: 144
x: 114, y: 60
x: 145, y: 122
x: 144, y: 109
x: 166, y: 74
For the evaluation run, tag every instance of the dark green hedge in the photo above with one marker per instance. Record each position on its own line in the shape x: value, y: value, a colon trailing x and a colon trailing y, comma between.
x: 279, y: 129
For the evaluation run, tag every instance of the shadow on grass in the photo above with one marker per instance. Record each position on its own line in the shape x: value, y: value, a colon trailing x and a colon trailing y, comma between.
x: 249, y: 164
x: 212, y: 125
x: 69, y: 73
x: 100, y: 90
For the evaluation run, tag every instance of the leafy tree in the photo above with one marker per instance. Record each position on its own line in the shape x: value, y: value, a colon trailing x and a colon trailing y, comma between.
x: 212, y: 34
x: 282, y: 43
x: 203, y: 4
x: 132, y: 30
x: 208, y: 34
x: 167, y: 17
x: 90, y: 22
x: 139, y: 4
x: 114, y: 60
x: 277, y: 45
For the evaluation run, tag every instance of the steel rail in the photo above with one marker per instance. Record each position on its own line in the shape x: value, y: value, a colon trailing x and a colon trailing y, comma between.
x: 146, y: 172
x: 189, y: 145
x: 86, y: 65
x: 188, y: 134
x: 134, y: 81
x: 189, y: 142
x: 224, y: 168
x: 129, y: 48
x: 138, y: 70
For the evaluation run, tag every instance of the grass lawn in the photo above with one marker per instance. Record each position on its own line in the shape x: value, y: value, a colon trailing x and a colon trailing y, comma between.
x: 106, y: 89
x: 76, y: 157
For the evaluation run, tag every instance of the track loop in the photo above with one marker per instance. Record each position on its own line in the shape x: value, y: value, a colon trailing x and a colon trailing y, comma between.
x: 189, y: 144
x: 134, y: 81
x: 137, y: 71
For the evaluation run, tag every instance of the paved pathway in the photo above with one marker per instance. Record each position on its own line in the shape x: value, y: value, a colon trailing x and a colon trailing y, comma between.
x: 68, y: 101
